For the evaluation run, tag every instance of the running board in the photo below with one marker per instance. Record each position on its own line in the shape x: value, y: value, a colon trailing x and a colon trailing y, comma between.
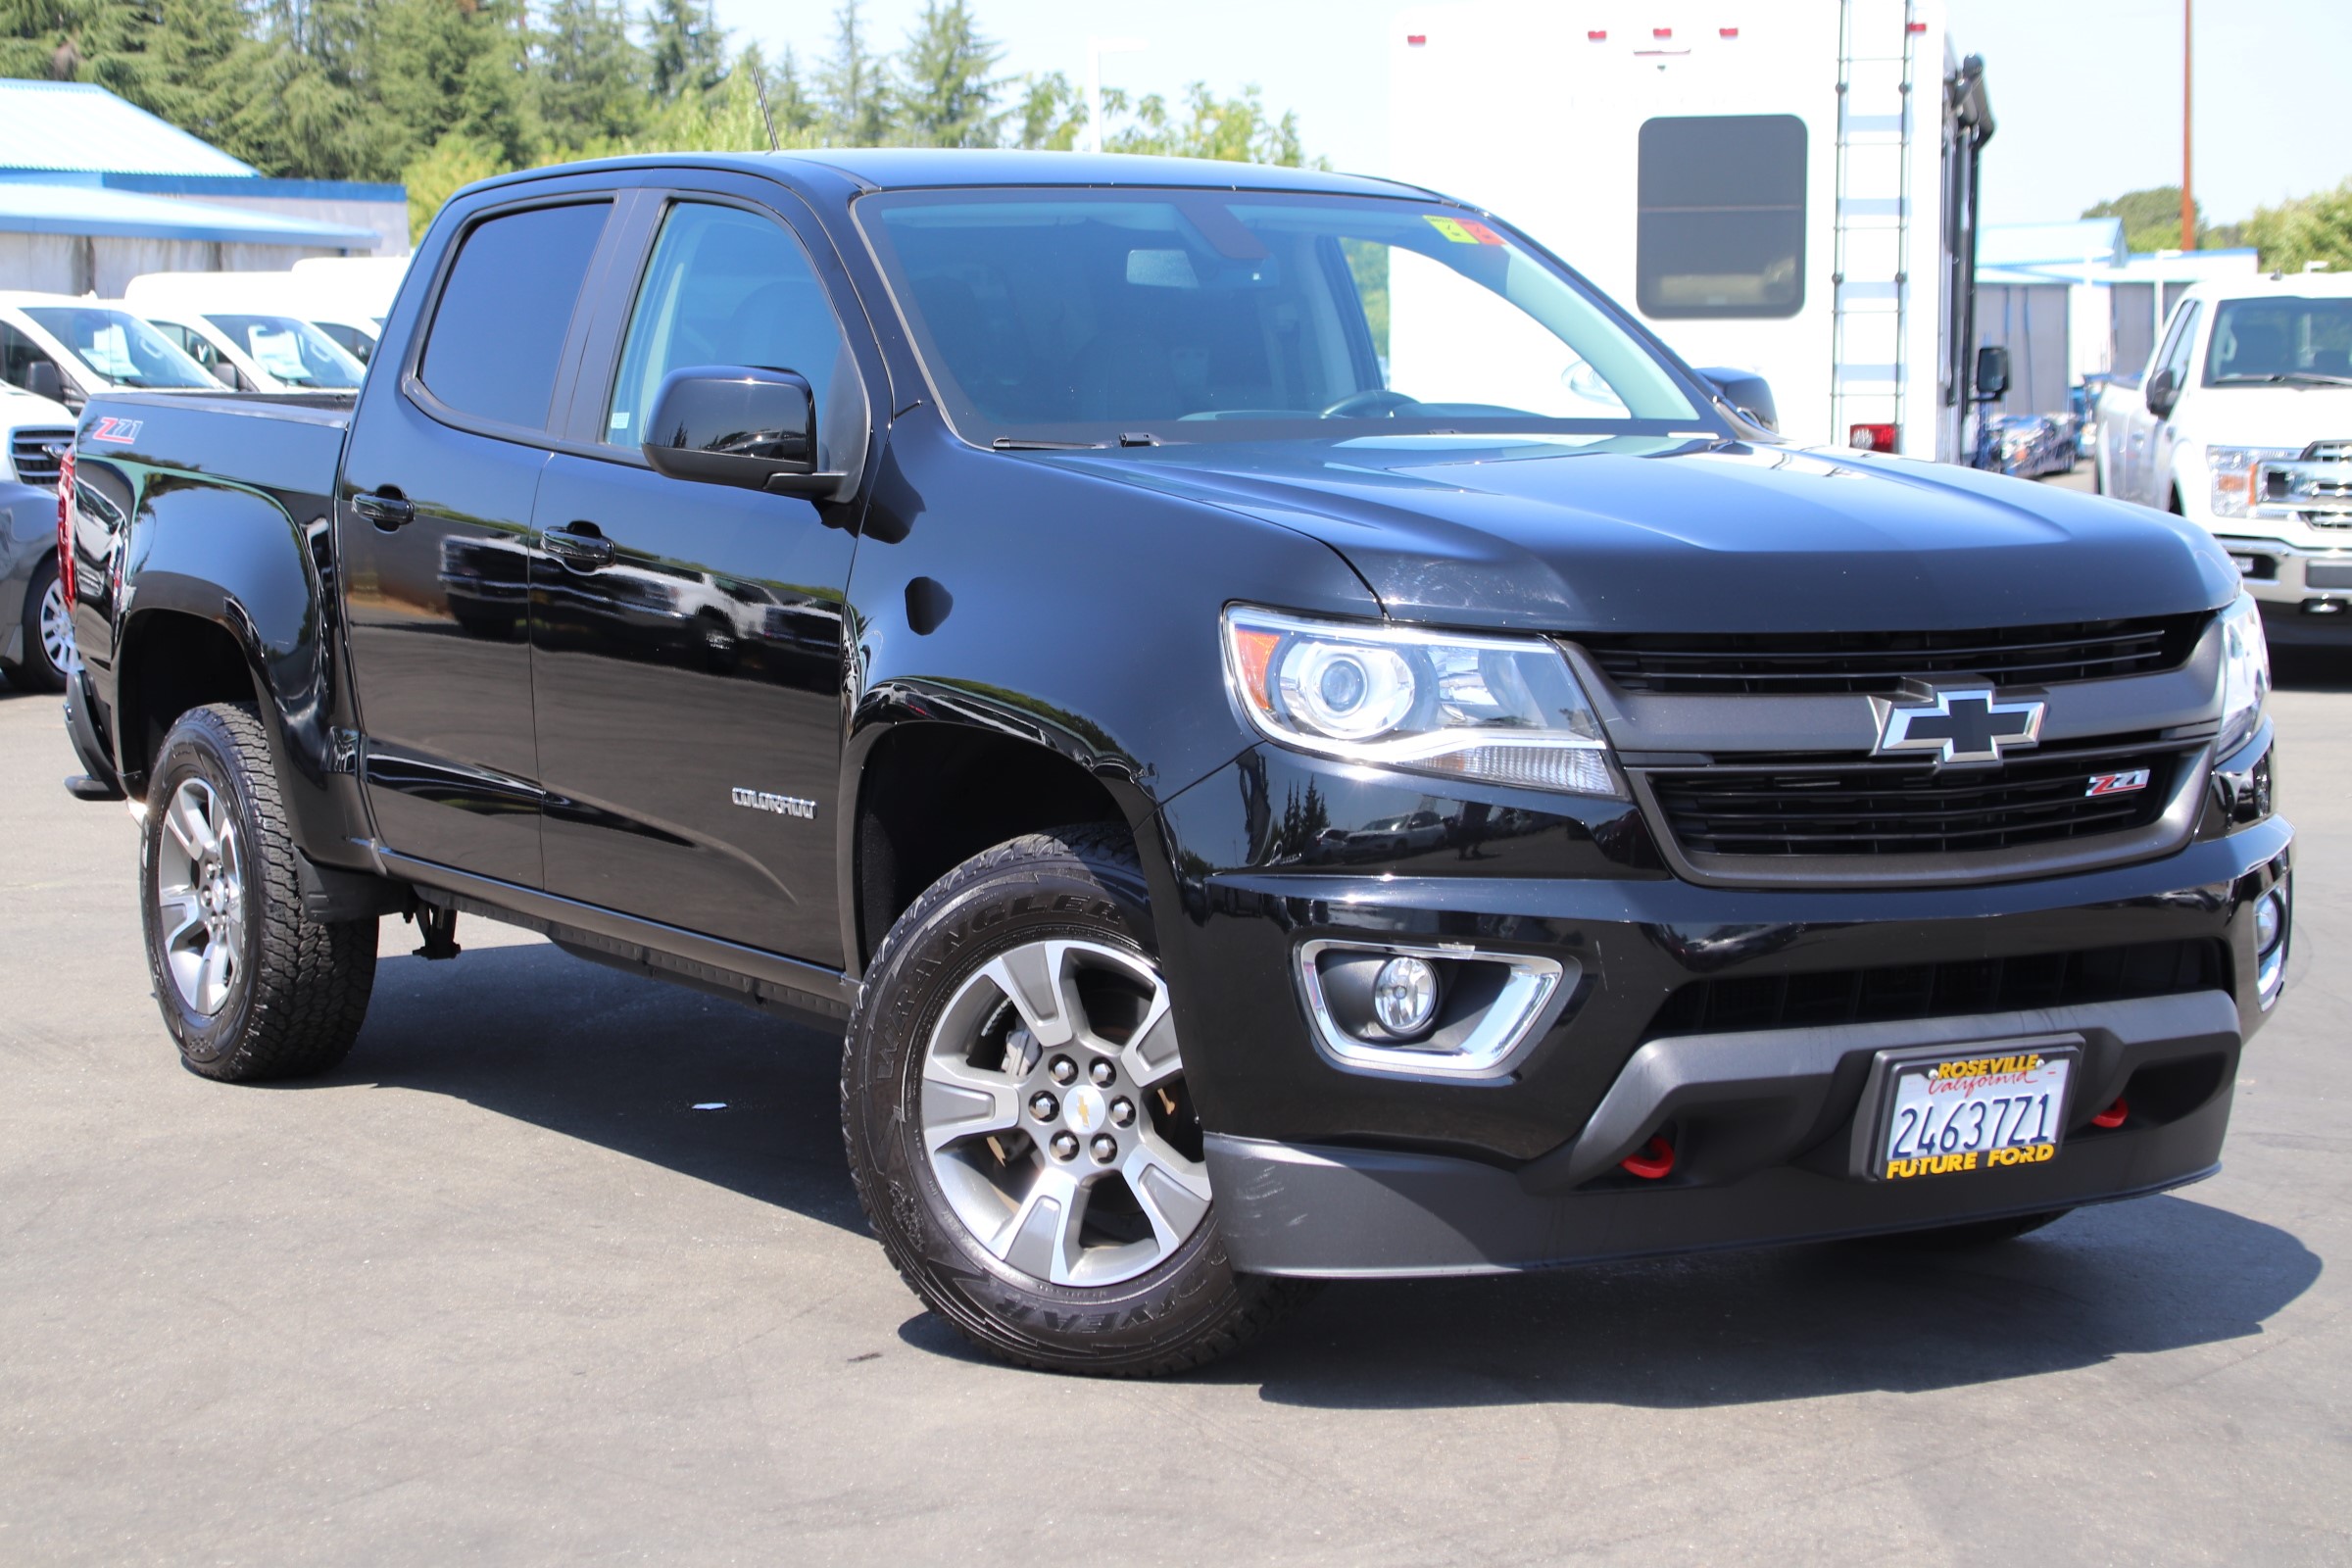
x: 808, y: 992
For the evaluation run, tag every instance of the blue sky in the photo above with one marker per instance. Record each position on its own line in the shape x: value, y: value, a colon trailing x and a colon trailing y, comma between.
x: 2086, y: 92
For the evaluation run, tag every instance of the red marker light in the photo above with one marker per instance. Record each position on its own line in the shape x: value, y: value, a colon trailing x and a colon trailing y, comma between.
x: 1727, y: 33
x: 1598, y: 35
x: 1661, y: 32
x: 1416, y: 39
x: 1872, y: 438
x: 1916, y: 26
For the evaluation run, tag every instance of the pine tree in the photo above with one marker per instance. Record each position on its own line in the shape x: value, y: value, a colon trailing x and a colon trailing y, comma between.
x: 945, y: 97
x: 796, y: 111
x: 687, y: 48
x: 591, y: 76
x: 854, y: 87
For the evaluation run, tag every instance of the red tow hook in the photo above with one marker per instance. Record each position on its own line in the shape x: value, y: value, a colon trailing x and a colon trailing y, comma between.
x: 1654, y: 1161
x: 2113, y: 1115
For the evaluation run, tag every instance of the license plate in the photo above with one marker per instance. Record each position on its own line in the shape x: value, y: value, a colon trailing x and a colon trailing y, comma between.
x: 1984, y: 1108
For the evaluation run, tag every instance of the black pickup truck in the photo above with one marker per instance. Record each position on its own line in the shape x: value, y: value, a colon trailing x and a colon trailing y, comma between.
x: 1291, y: 736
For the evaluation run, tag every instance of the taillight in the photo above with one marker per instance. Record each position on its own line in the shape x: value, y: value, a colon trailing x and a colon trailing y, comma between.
x: 65, y: 527
x: 1872, y: 438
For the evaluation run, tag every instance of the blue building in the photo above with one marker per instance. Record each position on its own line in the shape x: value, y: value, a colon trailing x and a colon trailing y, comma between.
x: 95, y: 191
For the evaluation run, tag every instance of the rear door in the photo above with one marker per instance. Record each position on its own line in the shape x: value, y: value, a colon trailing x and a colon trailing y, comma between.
x: 434, y: 529
x: 687, y: 637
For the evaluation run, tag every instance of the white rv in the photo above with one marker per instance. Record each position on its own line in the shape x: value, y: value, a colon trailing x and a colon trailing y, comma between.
x: 1785, y: 187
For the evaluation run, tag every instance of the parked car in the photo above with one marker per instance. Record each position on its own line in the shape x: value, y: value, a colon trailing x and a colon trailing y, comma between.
x: 258, y: 331
x: 1766, y: 844
x: 2242, y: 423
x: 2027, y: 446
x: 69, y: 350
x: 36, y: 639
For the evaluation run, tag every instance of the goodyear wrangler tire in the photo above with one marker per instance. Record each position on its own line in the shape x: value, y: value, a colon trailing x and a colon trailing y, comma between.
x: 250, y: 986
x: 1014, y: 1103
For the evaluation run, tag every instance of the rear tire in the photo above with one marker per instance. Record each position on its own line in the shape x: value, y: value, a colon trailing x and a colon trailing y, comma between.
x: 251, y: 988
x: 1012, y: 1100
x: 48, y: 634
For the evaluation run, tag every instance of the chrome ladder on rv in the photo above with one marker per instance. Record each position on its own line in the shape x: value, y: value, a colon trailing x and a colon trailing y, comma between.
x: 1872, y: 260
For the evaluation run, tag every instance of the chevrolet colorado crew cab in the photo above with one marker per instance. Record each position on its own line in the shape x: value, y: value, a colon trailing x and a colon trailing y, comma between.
x: 1290, y: 737
x: 2242, y: 422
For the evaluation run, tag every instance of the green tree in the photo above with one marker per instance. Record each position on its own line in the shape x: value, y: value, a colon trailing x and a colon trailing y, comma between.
x: 590, y: 76
x: 453, y: 162
x: 946, y: 97
x: 1237, y: 129
x: 305, y: 111
x: 854, y: 85
x: 687, y: 47
x: 2305, y: 230
x: 1051, y: 115
x: 797, y: 110
x: 2152, y: 221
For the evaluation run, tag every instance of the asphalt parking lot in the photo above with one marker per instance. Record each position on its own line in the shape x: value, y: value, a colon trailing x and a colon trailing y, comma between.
x: 498, y: 1292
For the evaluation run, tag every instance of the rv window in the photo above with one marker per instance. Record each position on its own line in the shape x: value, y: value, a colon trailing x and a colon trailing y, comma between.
x: 1722, y: 223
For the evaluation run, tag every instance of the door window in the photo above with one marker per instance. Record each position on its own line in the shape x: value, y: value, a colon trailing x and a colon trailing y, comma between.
x: 730, y: 287
x: 2177, y: 345
x: 497, y: 332
x: 1721, y: 230
x: 18, y: 354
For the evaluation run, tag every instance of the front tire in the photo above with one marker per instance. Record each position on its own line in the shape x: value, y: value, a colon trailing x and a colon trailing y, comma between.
x: 251, y: 986
x: 49, y: 657
x: 1013, y: 1102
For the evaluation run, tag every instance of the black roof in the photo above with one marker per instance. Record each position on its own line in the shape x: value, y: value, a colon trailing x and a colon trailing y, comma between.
x: 926, y: 168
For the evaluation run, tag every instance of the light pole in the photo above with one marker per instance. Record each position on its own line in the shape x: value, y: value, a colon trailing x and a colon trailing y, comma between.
x: 2188, y: 200
x: 1095, y: 49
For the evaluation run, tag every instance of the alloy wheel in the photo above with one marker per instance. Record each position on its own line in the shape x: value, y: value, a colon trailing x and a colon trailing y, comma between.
x: 57, y: 631
x: 200, y: 895
x: 1056, y: 1117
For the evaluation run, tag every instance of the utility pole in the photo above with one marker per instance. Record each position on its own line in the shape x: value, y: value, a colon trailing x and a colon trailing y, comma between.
x: 2188, y: 200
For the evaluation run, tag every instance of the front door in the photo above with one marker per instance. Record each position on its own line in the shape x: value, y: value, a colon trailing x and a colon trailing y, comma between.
x: 686, y: 637
x: 434, y: 547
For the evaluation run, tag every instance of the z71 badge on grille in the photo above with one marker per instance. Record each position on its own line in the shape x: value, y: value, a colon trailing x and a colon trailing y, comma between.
x: 1960, y: 727
x: 2123, y: 783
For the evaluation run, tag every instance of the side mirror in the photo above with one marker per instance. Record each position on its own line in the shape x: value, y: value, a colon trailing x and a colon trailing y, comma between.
x: 43, y: 379
x: 742, y: 425
x: 1748, y: 392
x: 2162, y: 394
x: 1993, y: 371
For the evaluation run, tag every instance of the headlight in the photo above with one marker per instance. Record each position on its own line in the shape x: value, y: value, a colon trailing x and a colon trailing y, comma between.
x: 2234, y: 472
x: 2245, y: 673
x: 1499, y: 710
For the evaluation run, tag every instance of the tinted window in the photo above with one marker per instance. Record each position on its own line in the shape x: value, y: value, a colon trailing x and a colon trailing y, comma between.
x: 730, y: 287
x: 2285, y: 339
x: 1722, y: 222
x: 18, y: 356
x: 499, y: 329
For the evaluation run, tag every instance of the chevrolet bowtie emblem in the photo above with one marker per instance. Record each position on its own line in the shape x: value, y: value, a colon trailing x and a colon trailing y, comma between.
x: 1965, y: 727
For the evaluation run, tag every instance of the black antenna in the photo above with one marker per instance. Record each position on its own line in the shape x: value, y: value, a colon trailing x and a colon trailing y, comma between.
x: 760, y: 86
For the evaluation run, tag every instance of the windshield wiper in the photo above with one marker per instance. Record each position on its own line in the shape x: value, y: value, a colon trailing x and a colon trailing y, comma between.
x: 1022, y: 443
x: 2280, y: 377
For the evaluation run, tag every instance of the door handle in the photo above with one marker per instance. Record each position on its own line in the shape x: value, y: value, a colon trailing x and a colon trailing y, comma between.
x: 580, y: 545
x: 387, y: 509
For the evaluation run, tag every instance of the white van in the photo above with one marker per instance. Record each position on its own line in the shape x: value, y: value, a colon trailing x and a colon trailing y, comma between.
x: 69, y: 349
x: 257, y: 351
x: 1788, y: 191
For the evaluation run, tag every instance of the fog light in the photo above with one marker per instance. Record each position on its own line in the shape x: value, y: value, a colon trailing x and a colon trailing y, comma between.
x: 1404, y: 995
x: 2268, y: 921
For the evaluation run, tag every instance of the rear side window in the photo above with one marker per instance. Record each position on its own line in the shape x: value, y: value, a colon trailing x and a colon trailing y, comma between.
x: 505, y: 311
x: 1722, y: 222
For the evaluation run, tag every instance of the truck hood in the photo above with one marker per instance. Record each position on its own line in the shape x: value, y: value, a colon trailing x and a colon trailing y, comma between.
x: 2268, y: 415
x: 1576, y: 534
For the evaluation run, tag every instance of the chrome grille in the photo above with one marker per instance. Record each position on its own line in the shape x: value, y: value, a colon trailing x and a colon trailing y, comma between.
x: 29, y: 451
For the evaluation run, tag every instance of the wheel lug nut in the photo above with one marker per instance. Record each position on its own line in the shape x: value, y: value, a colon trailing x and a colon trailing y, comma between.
x: 1065, y: 1145
x: 1044, y: 1107
x: 1122, y: 1111
x: 1063, y: 1069
x: 1102, y: 1073
x: 1104, y: 1148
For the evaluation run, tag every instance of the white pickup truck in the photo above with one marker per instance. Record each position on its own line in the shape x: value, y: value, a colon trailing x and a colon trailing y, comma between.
x: 2243, y: 423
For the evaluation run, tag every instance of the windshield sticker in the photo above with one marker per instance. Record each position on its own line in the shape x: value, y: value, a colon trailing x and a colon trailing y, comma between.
x: 1464, y: 231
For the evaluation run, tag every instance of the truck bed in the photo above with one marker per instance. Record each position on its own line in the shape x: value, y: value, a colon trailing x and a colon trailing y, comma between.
x: 286, y: 443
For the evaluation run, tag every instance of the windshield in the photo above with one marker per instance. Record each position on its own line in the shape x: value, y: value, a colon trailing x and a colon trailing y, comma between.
x: 1093, y: 316
x: 291, y: 351
x: 118, y: 348
x: 2280, y: 339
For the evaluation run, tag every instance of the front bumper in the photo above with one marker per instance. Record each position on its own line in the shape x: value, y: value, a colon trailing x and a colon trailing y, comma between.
x: 1322, y: 1168
x: 2304, y: 590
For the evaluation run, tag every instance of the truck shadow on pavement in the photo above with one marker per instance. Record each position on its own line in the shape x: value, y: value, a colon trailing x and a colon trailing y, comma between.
x: 532, y: 1032
x: 2312, y: 669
